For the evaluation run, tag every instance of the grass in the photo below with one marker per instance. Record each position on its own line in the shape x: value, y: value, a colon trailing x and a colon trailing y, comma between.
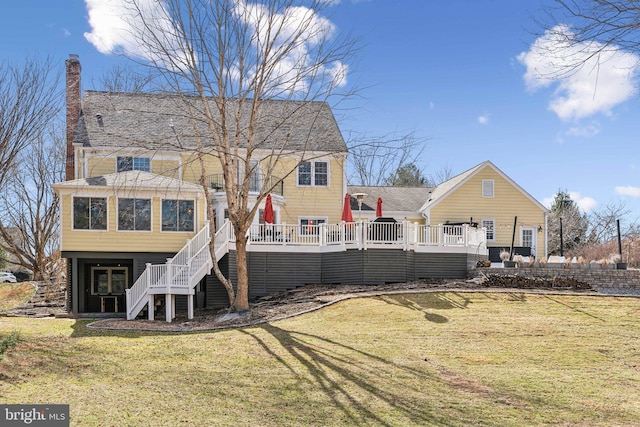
x: 454, y: 359
x: 15, y: 294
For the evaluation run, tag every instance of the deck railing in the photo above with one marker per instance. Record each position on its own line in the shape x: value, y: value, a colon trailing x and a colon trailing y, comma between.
x: 177, y: 272
x: 366, y: 234
x: 256, y: 183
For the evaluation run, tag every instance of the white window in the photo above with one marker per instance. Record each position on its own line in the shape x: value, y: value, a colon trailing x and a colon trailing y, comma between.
x: 313, y: 174
x: 311, y: 226
x: 487, y: 188
x: 490, y: 225
x: 178, y: 215
x: 89, y: 213
x: 134, y: 164
x: 134, y: 214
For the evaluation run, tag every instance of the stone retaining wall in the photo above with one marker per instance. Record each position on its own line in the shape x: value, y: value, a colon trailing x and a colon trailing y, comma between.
x: 606, y: 279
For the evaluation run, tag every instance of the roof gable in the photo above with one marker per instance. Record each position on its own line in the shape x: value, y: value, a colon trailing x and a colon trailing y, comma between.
x: 448, y: 187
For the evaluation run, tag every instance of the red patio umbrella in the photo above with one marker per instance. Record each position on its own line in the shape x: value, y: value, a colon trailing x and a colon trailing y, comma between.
x: 379, y: 207
x: 268, y: 210
x: 346, y: 209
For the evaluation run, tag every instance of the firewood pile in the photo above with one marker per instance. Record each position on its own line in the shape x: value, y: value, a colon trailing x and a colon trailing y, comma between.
x: 521, y: 282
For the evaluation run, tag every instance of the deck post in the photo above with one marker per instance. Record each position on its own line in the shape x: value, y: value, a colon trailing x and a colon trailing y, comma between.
x: 168, y: 302
x: 466, y: 235
x: 190, y: 306
x: 150, y: 307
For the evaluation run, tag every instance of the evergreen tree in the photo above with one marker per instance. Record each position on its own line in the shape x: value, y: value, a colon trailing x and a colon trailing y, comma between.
x: 574, y: 224
x: 408, y: 175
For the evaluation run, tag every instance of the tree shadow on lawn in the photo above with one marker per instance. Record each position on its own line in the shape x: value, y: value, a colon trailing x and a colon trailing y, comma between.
x: 428, y: 302
x: 344, y: 374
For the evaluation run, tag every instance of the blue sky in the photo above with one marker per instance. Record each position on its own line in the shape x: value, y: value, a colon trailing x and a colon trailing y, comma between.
x: 459, y: 74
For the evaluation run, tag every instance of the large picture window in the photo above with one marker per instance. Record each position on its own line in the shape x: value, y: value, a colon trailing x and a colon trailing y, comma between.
x: 134, y: 164
x: 134, y: 214
x: 313, y: 174
x: 89, y: 213
x: 177, y: 215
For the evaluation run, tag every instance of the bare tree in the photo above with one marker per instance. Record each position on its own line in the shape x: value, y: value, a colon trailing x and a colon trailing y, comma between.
x: 603, y: 223
x: 29, y: 226
x: 29, y: 100
x: 230, y: 58
x: 443, y: 174
x: 373, y: 161
x: 124, y: 79
x: 583, y: 36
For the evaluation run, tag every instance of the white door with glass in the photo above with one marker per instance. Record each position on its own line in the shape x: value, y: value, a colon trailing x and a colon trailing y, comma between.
x: 528, y: 238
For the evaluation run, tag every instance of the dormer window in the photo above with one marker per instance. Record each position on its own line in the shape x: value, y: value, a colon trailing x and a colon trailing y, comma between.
x: 134, y: 164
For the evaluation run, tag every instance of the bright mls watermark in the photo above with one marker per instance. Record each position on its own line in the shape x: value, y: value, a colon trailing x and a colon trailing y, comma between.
x: 34, y: 415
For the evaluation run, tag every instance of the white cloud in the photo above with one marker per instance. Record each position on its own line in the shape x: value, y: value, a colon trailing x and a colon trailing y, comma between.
x: 484, y: 119
x: 299, y: 30
x: 628, y: 191
x: 605, y: 79
x: 116, y: 27
x: 587, y: 131
x: 585, y: 204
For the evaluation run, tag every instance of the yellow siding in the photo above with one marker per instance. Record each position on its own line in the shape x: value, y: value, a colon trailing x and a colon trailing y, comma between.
x: 170, y: 168
x: 191, y: 169
x: 466, y: 202
x: 99, y: 166
x: 124, y: 241
x: 312, y: 201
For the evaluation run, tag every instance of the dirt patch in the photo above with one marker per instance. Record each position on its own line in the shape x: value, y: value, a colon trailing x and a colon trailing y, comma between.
x: 287, y: 304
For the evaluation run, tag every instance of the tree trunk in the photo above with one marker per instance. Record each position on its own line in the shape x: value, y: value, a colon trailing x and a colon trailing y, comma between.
x: 242, y: 294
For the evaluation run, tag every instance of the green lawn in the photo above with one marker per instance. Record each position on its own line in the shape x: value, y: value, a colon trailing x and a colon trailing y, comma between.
x: 452, y: 359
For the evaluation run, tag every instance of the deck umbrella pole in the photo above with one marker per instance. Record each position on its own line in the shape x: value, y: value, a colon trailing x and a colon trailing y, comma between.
x: 561, y: 242
x: 513, y: 236
x: 619, y: 239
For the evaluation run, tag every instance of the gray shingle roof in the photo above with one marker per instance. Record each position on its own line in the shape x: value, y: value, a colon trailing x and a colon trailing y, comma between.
x: 394, y: 199
x: 173, y: 121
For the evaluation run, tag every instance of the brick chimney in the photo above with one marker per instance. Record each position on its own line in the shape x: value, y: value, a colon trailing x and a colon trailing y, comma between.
x: 73, y: 110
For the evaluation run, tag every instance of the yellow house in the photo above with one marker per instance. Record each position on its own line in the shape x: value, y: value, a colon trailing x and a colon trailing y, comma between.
x: 483, y: 196
x: 135, y: 220
x: 133, y: 195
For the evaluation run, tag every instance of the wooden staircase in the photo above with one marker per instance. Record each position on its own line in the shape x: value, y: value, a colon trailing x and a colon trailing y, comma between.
x: 178, y: 276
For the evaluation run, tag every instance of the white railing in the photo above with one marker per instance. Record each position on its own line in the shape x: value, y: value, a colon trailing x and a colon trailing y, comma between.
x: 366, y: 234
x: 175, y: 273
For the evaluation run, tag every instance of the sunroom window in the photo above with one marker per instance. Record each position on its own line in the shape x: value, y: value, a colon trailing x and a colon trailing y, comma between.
x: 134, y: 214
x: 178, y: 215
x: 89, y: 213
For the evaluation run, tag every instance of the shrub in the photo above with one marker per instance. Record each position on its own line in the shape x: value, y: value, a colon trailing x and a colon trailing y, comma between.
x: 8, y: 342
